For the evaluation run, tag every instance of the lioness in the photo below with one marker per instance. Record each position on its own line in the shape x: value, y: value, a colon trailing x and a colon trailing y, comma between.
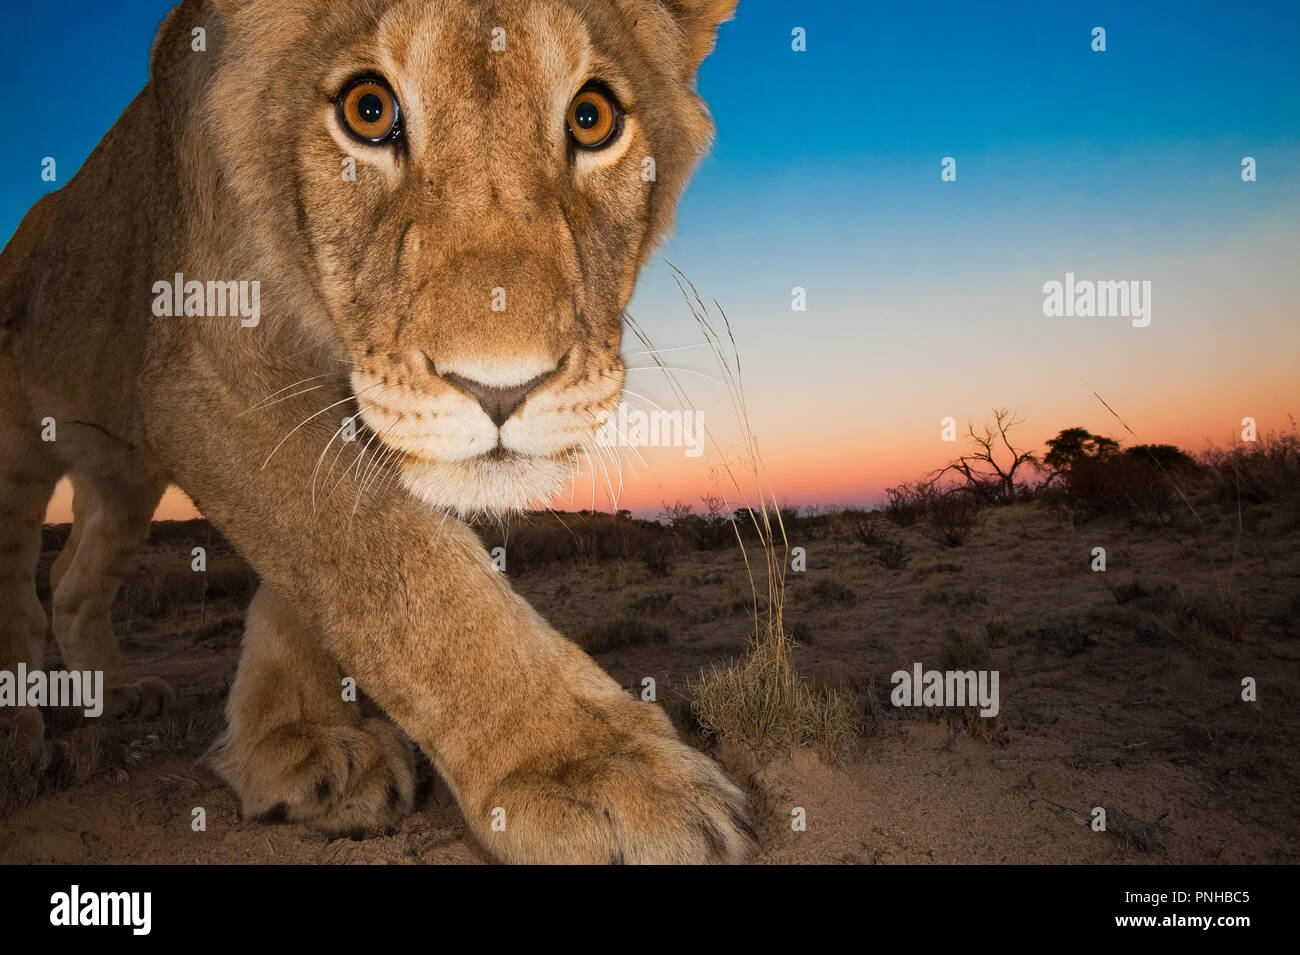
x: 443, y: 207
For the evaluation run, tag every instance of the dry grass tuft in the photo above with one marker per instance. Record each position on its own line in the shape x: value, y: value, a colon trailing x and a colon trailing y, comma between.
x: 759, y: 700
x: 997, y: 629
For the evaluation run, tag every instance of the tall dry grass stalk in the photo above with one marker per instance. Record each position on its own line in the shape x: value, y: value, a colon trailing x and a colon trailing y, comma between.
x: 759, y: 700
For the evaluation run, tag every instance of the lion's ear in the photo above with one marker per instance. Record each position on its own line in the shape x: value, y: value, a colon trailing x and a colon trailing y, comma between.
x: 699, y: 20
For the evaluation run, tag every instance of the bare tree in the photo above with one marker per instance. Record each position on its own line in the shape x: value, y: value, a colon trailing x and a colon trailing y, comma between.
x: 987, y: 477
x: 714, y: 505
x: 676, y: 513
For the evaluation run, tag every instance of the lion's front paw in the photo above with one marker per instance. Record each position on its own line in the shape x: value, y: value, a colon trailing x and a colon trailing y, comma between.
x: 640, y: 797
x: 144, y: 698
x: 354, y: 781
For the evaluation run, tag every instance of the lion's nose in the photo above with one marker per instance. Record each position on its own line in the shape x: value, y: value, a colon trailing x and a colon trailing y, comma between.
x: 499, y: 403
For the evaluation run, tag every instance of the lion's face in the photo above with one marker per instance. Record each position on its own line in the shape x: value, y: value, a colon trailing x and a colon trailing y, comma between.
x: 474, y: 187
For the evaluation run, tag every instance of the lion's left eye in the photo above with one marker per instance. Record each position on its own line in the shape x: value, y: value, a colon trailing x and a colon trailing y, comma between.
x: 594, y: 118
x: 368, y: 110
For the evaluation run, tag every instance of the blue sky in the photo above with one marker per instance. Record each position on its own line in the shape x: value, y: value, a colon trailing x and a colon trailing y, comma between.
x: 1012, y: 90
x: 924, y: 296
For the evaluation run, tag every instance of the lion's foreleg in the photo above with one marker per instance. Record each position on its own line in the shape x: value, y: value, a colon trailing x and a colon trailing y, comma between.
x: 296, y: 747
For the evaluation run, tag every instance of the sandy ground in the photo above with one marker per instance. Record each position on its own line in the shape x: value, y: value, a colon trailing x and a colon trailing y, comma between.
x: 1104, y: 702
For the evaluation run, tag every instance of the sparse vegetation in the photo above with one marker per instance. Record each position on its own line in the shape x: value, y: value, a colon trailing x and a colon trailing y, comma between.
x: 962, y: 651
x: 1129, y: 671
x: 955, y: 596
x: 80, y: 752
x: 825, y: 592
x: 622, y: 632
x: 942, y: 567
x: 887, y: 548
x: 1265, y: 473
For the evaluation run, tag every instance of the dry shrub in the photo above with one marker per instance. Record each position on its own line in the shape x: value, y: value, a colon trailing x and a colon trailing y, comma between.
x: 893, y: 555
x: 1120, y: 484
x: 905, y: 504
x: 1208, y: 616
x: 950, y: 514
x: 1222, y: 616
x: 658, y: 560
x: 870, y: 532
x: 1265, y: 472
x: 997, y: 629
x: 962, y: 650
x: 970, y: 651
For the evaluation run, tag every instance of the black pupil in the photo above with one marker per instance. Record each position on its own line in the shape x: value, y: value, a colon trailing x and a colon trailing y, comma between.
x: 371, y: 108
x: 586, y: 115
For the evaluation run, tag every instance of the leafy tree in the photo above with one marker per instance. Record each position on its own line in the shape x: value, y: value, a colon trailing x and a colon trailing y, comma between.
x: 1074, y: 444
x: 1167, y: 456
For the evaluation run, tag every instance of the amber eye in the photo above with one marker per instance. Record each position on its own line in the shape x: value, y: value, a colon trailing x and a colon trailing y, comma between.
x: 368, y: 110
x: 593, y: 118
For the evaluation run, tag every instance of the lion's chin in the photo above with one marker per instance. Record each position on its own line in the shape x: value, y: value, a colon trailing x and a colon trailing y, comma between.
x: 485, y: 485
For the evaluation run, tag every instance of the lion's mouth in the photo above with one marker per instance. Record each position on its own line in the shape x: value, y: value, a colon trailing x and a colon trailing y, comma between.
x: 494, y: 482
x: 469, y: 465
x: 497, y: 456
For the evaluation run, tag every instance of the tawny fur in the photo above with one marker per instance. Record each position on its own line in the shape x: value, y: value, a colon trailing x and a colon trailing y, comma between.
x: 227, y: 166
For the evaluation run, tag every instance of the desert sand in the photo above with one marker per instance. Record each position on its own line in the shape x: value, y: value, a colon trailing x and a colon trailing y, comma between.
x: 1116, y: 692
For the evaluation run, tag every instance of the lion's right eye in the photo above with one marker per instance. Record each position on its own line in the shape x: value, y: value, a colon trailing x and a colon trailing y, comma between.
x: 368, y: 110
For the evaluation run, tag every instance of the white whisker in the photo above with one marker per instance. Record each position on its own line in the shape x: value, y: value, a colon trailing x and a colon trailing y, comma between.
x: 667, y: 368
x: 661, y: 351
x: 281, y: 391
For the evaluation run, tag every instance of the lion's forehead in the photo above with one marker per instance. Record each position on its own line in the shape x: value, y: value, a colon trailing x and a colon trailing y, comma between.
x: 545, y: 39
x: 455, y: 44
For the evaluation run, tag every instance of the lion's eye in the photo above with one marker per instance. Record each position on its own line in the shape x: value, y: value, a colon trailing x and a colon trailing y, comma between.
x: 368, y: 110
x: 593, y: 118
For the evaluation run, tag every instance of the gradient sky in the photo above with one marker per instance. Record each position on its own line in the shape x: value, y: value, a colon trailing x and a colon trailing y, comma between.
x: 924, y: 297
